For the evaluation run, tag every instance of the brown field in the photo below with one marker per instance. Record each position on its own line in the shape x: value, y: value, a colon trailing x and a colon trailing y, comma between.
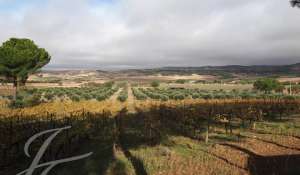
x: 289, y: 79
x: 210, y: 86
x: 162, y: 78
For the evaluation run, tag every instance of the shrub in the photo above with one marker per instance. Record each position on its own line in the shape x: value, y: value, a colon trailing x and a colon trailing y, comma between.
x: 155, y: 83
x: 109, y: 84
x: 180, y: 81
x: 220, y: 96
x: 33, y: 100
x: 100, y: 97
x: 87, y: 96
x: 195, y: 96
x: 122, y: 98
x: 60, y: 94
x: 26, y: 101
x: 138, y: 94
x: 208, y: 96
x: 75, y: 98
x: 179, y: 97
x: 18, y: 103
x: 164, y: 98
x: 49, y: 95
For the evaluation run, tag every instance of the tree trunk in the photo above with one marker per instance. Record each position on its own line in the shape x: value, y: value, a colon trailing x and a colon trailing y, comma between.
x: 206, y: 137
x: 253, y: 127
x: 207, y: 132
x: 15, y: 89
x: 230, y: 126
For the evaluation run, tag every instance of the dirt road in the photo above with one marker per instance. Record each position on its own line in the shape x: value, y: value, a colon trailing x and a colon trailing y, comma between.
x: 130, y: 100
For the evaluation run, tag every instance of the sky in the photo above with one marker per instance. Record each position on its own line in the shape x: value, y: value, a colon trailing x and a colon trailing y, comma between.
x: 156, y: 33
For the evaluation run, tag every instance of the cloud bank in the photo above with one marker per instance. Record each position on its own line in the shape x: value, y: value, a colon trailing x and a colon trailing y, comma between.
x: 153, y: 33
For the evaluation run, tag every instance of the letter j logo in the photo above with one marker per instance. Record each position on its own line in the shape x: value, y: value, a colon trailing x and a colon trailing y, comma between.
x: 35, y: 163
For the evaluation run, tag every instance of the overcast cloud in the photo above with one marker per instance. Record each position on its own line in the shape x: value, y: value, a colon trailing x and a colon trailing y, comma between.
x: 141, y: 33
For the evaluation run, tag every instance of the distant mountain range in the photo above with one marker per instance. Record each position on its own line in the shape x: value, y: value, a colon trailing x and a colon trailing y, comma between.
x: 256, y: 69
x: 269, y: 70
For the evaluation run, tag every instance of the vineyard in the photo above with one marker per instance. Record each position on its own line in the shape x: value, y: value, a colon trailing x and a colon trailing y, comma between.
x: 165, y: 94
x: 32, y: 97
x: 201, y: 137
x: 123, y: 95
x: 16, y: 130
x: 29, y: 97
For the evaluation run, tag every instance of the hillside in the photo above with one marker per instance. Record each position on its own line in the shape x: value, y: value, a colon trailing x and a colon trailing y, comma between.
x: 238, y: 69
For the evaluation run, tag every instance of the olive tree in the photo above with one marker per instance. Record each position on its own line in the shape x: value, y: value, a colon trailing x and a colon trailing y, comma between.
x: 155, y: 83
x: 19, y: 58
x: 267, y: 85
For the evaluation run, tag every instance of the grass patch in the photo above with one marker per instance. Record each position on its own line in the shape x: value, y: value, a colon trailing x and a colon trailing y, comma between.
x: 285, y: 128
x: 121, y: 166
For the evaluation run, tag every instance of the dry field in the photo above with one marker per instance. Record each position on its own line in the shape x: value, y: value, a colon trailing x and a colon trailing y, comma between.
x: 163, y: 78
x: 182, y: 77
x: 288, y: 79
x: 226, y: 87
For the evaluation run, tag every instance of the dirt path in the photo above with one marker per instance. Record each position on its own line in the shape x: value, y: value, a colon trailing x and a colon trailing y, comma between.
x: 130, y: 100
x: 114, y: 97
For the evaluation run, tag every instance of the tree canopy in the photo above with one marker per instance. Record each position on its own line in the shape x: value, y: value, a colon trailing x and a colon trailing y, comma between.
x: 20, y: 58
x: 267, y: 85
x: 155, y: 83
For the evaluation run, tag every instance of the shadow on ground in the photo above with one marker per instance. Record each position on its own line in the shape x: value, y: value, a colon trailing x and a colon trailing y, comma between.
x: 129, y: 131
